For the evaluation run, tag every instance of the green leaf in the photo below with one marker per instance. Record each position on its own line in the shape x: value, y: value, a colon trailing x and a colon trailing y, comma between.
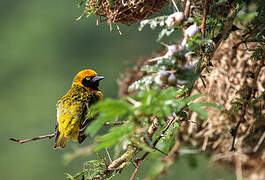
x: 198, y: 109
x: 192, y: 98
x: 113, y: 136
x: 95, y: 126
x: 109, y: 110
x: 69, y: 176
x: 141, y: 145
x: 111, y: 3
x: 209, y: 104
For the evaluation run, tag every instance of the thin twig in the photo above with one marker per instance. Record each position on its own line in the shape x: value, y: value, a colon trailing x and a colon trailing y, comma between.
x: 259, y: 143
x: 175, y: 5
x: 118, y: 28
x: 171, y: 120
x: 251, y: 92
x: 110, y: 160
x: 115, y: 123
x: 49, y: 136
x: 139, y: 161
x: 234, y: 130
x: 187, y: 9
x: 172, y: 152
x: 205, y: 11
x: 247, y: 36
x: 21, y: 141
x: 221, y: 36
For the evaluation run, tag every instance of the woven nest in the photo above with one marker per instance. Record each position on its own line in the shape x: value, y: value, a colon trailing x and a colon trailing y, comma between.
x: 230, y: 74
x: 125, y: 11
x: 226, y: 82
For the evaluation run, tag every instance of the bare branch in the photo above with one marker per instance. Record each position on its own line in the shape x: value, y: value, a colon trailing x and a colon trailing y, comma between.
x: 21, y: 141
x: 205, y: 11
x: 139, y: 161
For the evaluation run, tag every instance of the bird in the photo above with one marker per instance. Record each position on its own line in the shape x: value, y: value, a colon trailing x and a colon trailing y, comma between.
x: 73, y: 107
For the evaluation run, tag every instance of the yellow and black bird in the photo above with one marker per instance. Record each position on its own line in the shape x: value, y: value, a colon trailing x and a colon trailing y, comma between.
x: 72, y: 108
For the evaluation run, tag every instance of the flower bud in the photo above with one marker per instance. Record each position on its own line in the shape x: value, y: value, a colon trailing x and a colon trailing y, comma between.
x: 163, y: 75
x: 172, y: 79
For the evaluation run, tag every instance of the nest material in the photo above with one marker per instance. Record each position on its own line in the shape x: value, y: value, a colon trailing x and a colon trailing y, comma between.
x: 225, y: 82
x: 126, y: 11
x: 229, y: 78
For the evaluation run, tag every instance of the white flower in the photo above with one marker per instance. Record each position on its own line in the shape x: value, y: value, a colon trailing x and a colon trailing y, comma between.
x: 174, y: 18
x: 158, y: 80
x: 183, y: 44
x: 178, y: 16
x: 171, y: 50
x: 144, y: 22
x: 192, y: 30
x: 170, y: 21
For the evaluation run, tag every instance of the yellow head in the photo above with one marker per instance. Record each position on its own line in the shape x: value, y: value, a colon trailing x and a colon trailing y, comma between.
x: 88, y: 79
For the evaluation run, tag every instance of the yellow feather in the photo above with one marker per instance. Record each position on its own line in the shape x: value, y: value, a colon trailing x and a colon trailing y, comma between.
x: 72, y: 109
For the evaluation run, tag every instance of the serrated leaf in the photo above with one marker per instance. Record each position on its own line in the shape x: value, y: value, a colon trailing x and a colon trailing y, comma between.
x: 198, y: 109
x: 112, y: 137
x: 209, y: 104
x: 69, y: 176
x: 192, y: 98
x: 109, y: 110
x: 141, y: 145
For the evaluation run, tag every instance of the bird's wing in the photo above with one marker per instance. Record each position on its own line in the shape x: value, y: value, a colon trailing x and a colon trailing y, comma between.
x: 56, y: 131
x: 69, y: 116
x: 83, y: 123
x: 85, y: 120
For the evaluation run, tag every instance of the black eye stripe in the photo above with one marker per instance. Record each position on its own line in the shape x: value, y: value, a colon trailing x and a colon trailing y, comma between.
x: 88, y: 78
x: 88, y: 82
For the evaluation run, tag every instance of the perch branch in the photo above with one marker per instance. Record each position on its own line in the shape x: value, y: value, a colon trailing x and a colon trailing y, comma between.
x: 49, y: 136
x: 21, y: 141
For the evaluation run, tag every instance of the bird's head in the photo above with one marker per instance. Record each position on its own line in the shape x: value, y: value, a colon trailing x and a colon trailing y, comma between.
x: 88, y: 79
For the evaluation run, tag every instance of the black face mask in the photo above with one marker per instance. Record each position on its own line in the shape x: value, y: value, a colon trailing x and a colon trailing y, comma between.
x: 92, y: 82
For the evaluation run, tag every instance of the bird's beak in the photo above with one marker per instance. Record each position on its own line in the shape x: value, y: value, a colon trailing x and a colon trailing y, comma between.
x: 97, y: 78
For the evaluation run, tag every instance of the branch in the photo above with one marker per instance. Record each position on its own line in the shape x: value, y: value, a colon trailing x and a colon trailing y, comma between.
x: 205, y: 11
x: 138, y: 163
x: 119, y: 164
x: 49, y: 136
x: 221, y: 36
x: 187, y: 10
x: 140, y: 160
x: 21, y: 141
x: 251, y: 92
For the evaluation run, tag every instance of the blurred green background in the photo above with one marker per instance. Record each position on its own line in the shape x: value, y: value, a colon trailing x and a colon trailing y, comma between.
x: 41, y: 48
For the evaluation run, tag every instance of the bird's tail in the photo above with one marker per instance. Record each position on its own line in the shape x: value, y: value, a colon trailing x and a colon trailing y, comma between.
x: 60, y: 142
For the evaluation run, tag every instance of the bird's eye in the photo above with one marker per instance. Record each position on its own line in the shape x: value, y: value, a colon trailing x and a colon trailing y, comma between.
x: 87, y: 81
